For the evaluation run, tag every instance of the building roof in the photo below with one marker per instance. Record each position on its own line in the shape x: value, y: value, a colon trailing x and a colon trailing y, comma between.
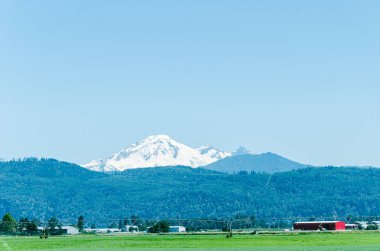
x: 315, y: 222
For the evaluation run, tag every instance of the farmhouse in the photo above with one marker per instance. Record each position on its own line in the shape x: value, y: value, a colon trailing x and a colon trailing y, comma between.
x: 177, y: 229
x: 320, y: 225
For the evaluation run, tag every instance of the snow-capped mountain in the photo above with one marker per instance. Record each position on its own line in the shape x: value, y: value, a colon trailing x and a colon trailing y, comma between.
x: 157, y: 150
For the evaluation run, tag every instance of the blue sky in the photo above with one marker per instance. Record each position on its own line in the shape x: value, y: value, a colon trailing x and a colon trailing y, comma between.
x: 80, y: 80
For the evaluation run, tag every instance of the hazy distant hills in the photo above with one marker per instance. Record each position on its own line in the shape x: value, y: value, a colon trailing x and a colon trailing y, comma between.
x: 266, y: 162
x: 44, y: 188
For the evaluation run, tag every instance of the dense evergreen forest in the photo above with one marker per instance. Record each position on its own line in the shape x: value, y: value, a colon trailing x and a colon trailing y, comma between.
x: 40, y: 189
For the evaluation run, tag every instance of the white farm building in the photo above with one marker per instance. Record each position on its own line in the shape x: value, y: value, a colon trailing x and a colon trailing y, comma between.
x: 69, y: 230
x: 177, y: 229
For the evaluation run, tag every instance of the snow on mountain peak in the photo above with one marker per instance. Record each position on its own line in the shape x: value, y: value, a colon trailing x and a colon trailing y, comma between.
x: 157, y: 150
x: 213, y: 152
x: 160, y: 136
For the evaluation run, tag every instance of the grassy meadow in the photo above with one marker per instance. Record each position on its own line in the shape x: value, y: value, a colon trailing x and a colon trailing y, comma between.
x: 367, y: 241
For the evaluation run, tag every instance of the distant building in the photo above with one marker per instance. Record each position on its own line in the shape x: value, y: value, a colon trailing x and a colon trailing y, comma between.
x: 69, y: 230
x: 177, y: 229
x: 320, y: 225
x: 62, y: 230
x: 101, y: 230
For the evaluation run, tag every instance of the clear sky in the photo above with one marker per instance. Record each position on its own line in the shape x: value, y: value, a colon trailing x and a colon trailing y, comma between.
x: 80, y: 80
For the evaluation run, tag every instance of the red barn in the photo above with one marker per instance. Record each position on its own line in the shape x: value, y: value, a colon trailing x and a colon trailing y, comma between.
x: 320, y: 225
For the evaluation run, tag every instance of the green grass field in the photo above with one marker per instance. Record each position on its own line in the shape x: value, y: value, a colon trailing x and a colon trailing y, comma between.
x: 367, y: 241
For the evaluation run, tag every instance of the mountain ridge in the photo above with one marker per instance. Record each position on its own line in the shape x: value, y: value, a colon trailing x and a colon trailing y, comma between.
x: 155, y: 151
x: 42, y: 189
x: 264, y: 162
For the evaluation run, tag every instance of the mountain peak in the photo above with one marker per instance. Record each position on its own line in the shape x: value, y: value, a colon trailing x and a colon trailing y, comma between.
x: 241, y: 151
x: 158, y: 137
x: 157, y: 150
x: 207, y: 148
x: 264, y: 162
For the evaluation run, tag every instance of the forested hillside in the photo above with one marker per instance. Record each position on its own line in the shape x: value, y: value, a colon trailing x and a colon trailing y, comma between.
x: 44, y: 188
x: 265, y: 163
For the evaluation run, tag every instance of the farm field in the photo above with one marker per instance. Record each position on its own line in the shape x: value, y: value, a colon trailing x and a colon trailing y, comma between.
x: 369, y: 241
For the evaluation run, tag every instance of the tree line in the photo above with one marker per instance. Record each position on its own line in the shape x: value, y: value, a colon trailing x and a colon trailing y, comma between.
x: 10, y: 226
